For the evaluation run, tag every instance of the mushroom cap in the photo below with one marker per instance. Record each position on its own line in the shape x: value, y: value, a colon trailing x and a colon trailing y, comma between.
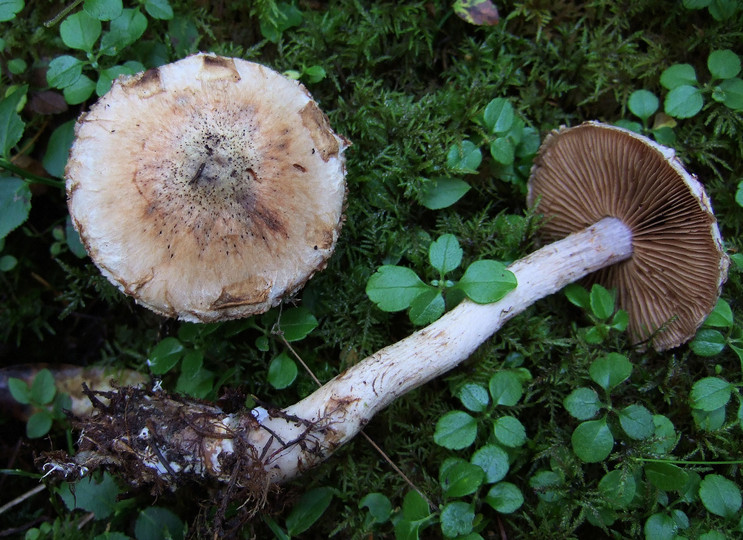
x: 207, y: 189
x: 674, y: 276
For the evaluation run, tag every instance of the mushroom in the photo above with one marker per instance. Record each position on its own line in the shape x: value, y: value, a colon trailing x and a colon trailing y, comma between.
x: 171, y: 437
x: 207, y: 189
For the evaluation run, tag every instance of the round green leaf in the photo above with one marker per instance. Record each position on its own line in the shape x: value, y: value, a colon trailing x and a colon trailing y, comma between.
x: 474, y: 397
x: 457, y: 518
x: 730, y: 93
x: 529, y: 143
x: 664, y: 438
x: 464, y: 158
x: 393, y: 288
x: 157, y: 523
x: 666, y: 476
x: 445, y: 254
x: 7, y: 263
x: 683, y: 102
x: 710, y: 393
x: 9, y: 9
x: 159, y: 9
x: 505, y: 498
x: 721, y: 316
x: 58, y: 148
x: 442, y: 192
x: 637, y: 421
x: 660, y: 527
x: 103, y: 10
x: 643, y: 104
x: 678, y: 75
x: 282, y: 371
x: 461, y: 479
x: 487, y: 281
x: 308, y: 510
x: 546, y: 484
x: 592, y: 441
x: 493, y: 460
x: 297, y: 323
x: 720, y: 496
x: 602, y: 302
x: 611, y: 370
x: 379, y: 506
x: 505, y: 388
x: 124, y: 30
x: 11, y: 125
x: 38, y: 424
x: 43, y: 388
x: 499, y: 115
x: 724, y: 64
x: 503, y: 150
x: 64, y: 71
x: 708, y: 342
x: 80, y: 31
x: 427, y: 307
x: 618, y: 488
x: 577, y: 295
x: 79, y: 91
x: 509, y: 431
x: 165, y: 355
x: 455, y: 430
x: 709, y: 420
x: 15, y: 204
x: 583, y: 403
x: 19, y: 390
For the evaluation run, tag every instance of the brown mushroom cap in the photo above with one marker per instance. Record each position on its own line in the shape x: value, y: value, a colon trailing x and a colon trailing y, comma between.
x: 673, y: 278
x: 207, y: 189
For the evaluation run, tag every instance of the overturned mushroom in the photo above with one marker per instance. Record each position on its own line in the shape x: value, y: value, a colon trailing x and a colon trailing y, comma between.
x: 207, y: 189
x: 163, y: 439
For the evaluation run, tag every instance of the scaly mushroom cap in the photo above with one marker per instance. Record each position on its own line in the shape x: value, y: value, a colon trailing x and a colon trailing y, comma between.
x: 673, y: 279
x: 207, y: 189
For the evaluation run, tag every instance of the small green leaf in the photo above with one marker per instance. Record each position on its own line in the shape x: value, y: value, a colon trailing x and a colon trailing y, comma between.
x: 74, y: 243
x: 660, y: 527
x: 664, y: 436
x: 720, y: 495
x: 721, y: 316
x: 723, y: 64
x: 643, y: 104
x: 443, y: 192
x: 461, y: 479
x: 43, y: 388
x: 707, y: 342
x: 610, y: 370
x: 297, y: 323
x: 103, y: 10
x: 602, y: 302
x: 510, y: 432
x: 618, y: 488
x: 503, y: 151
x: 93, y: 495
x: 578, y: 296
x: 11, y: 125
x: 58, y: 148
x: 620, y: 320
x: 529, y: 144
x: 80, y: 31
x: 39, y: 424
x: 393, y: 288
x: 545, y: 484
x: 282, y: 371
x: 678, y: 75
x: 464, y: 158
x: 15, y: 204
x: 583, y: 403
x: 155, y: 523
x: 637, y: 422
x: 493, y: 460
x: 19, y: 390
x: 427, y: 307
x: 9, y: 9
x: 184, y: 35
x: 592, y: 441
x: 474, y: 397
x: 445, y: 254
x: 709, y: 420
x: 379, y: 506
x: 730, y: 93
x: 79, y: 91
x: 505, y: 388
x: 455, y: 430
x: 487, y: 281
x: 165, y: 355
x: 7, y: 263
x: 159, y: 9
x: 415, y: 507
x: 64, y: 71
x: 315, y: 74
x: 710, y: 393
x: 457, y: 518
x: 124, y: 30
x: 505, y: 498
x: 666, y: 476
x: 308, y: 510
x: 499, y: 116
x: 683, y: 102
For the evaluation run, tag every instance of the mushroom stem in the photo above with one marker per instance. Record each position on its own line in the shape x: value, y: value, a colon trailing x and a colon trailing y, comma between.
x: 170, y: 436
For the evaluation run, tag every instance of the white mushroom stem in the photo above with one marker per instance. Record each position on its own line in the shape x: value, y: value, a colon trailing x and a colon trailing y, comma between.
x: 346, y: 403
x: 170, y: 436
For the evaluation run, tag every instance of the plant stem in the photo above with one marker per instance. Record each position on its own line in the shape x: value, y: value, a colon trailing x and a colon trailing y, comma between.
x: 30, y: 177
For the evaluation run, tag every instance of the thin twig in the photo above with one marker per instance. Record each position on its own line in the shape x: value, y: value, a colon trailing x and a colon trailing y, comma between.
x: 21, y: 498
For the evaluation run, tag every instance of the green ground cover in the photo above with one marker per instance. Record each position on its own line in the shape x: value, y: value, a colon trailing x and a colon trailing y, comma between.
x: 555, y: 428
